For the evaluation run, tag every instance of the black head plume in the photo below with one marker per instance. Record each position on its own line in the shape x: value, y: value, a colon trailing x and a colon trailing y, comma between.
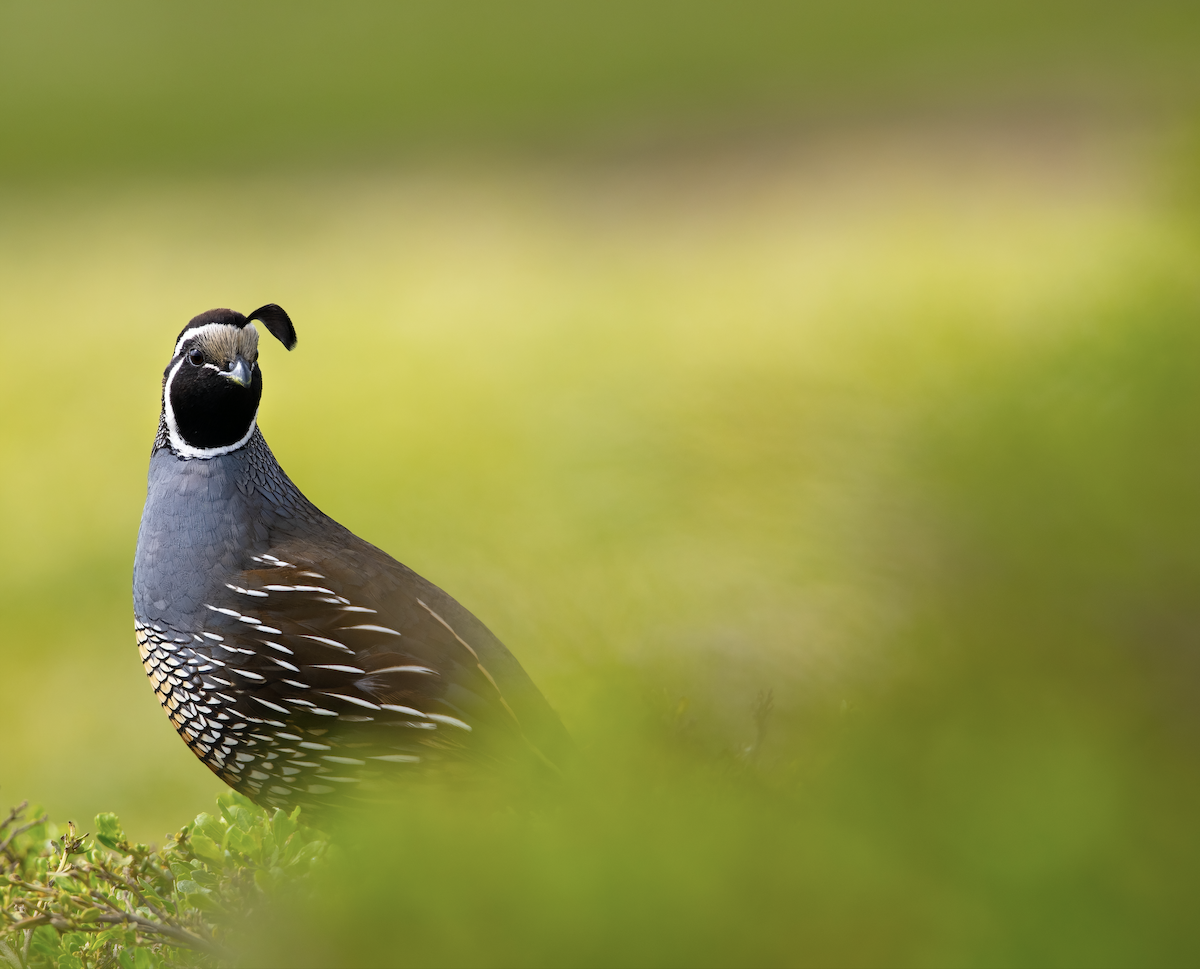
x: 272, y: 316
x: 277, y: 321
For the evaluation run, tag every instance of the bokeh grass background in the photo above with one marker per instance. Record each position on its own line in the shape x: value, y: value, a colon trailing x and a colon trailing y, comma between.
x: 837, y: 359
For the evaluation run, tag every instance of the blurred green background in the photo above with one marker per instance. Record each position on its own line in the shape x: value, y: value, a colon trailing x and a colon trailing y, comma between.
x: 841, y: 359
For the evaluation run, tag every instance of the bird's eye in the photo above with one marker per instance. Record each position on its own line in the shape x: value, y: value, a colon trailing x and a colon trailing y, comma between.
x: 195, y: 358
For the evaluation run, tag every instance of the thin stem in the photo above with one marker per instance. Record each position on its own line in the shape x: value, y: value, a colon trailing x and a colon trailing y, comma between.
x: 13, y: 815
x: 22, y: 829
x: 10, y: 956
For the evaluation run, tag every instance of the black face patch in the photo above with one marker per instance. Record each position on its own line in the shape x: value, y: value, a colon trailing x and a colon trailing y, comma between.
x: 211, y: 411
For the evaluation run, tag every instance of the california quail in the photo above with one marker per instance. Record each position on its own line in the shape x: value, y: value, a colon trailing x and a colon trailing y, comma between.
x: 300, y: 663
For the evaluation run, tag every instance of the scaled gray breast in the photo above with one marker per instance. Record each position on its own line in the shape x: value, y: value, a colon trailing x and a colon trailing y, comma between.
x: 201, y: 521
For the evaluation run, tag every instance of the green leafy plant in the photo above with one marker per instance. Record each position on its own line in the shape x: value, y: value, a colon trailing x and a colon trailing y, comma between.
x: 77, y: 901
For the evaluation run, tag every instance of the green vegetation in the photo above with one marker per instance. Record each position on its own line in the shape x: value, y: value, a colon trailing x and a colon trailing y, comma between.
x: 835, y: 477
x: 920, y: 472
x: 68, y: 902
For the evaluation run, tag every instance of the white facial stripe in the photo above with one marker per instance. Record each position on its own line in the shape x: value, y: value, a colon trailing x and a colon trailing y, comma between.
x: 178, y: 444
x: 226, y: 373
x: 196, y: 331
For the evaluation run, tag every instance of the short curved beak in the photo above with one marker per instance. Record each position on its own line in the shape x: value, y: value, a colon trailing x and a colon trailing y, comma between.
x: 238, y: 372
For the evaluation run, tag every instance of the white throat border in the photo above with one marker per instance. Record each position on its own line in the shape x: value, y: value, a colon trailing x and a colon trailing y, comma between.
x: 175, y: 439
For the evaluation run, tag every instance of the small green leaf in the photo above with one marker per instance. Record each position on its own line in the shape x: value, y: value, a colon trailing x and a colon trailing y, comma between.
x: 46, y: 939
x: 72, y: 942
x: 229, y: 798
x: 210, y: 827
x: 245, y: 842
x: 181, y: 869
x: 239, y: 811
x: 310, y: 853
x: 145, y: 959
x: 284, y: 825
x: 108, y: 830
x: 204, y: 904
x: 207, y: 849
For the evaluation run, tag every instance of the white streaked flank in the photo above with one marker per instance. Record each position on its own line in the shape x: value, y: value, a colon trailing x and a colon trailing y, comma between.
x: 272, y: 706
x: 329, y: 642
x: 245, y: 592
x: 353, y: 699
x: 407, y: 711
x: 451, y: 721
